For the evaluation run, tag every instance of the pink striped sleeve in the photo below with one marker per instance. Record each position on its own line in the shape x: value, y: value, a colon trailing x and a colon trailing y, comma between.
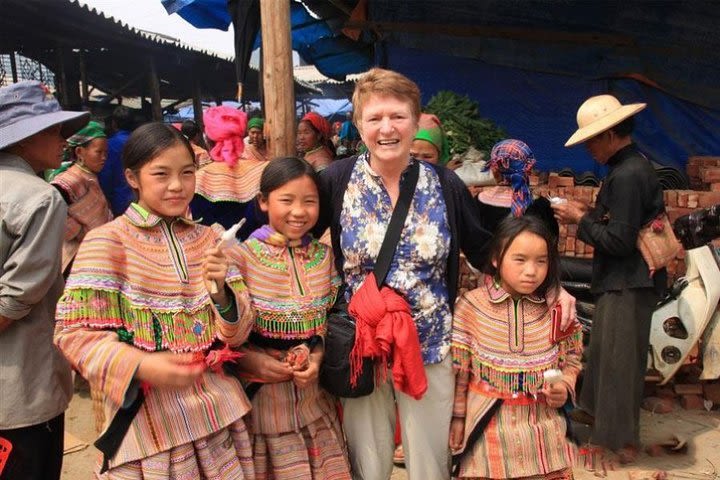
x: 108, y: 364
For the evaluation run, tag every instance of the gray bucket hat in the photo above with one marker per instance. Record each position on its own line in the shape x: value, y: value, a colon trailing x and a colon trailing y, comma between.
x: 28, y: 107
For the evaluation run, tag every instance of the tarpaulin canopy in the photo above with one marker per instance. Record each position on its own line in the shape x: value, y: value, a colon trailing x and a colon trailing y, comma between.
x: 334, y: 54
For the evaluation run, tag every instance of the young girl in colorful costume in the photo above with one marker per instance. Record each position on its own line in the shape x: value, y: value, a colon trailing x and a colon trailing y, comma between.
x: 506, y: 418
x: 137, y: 321
x: 78, y: 184
x: 292, y: 283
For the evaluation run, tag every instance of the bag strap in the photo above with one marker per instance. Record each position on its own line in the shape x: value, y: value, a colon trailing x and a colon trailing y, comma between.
x: 397, y: 221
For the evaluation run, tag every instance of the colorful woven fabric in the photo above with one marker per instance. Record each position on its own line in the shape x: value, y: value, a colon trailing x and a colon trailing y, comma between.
x: 521, y: 441
x: 220, y: 182
x: 430, y: 130
x: 513, y: 160
x: 251, y: 152
x: 319, y: 157
x: 292, y: 287
x: 87, y: 208
x: 202, y: 157
x: 315, y: 452
x: 227, y: 128
x: 506, y: 343
x: 501, y: 347
x: 136, y: 286
x: 225, y: 455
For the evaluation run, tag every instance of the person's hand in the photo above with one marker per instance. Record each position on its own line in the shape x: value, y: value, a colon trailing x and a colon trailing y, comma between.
x: 570, y: 211
x: 457, y: 432
x: 567, y: 307
x: 215, y: 268
x: 169, y: 370
x: 556, y: 394
x: 259, y: 366
x: 308, y: 376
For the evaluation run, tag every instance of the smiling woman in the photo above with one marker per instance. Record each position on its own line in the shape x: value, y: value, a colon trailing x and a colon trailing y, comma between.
x: 359, y: 195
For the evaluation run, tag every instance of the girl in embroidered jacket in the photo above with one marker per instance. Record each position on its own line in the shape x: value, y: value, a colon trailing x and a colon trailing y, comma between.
x: 506, y: 419
x: 292, y: 283
x: 138, y: 322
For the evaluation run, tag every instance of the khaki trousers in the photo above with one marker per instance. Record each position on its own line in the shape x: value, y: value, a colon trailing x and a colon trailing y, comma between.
x: 369, y: 424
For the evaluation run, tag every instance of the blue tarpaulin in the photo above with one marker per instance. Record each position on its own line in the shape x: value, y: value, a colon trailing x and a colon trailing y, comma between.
x: 334, y: 54
x: 539, y: 108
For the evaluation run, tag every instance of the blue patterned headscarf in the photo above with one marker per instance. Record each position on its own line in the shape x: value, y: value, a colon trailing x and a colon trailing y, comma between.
x: 513, y: 160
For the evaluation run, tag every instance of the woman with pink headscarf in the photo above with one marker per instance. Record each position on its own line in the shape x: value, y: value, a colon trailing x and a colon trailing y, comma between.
x: 225, y: 190
x: 313, y: 140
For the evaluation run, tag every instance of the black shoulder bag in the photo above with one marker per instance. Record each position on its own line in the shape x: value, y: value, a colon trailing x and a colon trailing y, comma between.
x: 340, y: 339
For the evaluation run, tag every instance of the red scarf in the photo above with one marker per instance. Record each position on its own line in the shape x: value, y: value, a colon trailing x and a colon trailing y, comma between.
x: 384, y: 327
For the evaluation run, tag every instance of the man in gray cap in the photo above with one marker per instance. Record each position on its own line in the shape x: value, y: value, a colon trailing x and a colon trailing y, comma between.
x: 630, y: 197
x: 35, y: 382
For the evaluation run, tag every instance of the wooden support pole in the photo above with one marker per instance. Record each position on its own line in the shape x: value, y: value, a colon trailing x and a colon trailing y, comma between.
x: 197, y: 104
x: 155, y: 91
x: 278, y: 77
x: 13, y: 67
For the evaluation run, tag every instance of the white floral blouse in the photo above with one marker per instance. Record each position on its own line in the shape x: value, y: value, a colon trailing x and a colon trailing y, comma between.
x: 419, y: 267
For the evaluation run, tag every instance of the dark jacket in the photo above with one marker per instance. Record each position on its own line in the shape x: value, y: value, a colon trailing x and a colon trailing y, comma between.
x: 466, y: 232
x: 630, y: 197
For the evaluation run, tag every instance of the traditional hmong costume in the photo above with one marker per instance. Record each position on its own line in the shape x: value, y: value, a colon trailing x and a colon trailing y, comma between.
x: 136, y: 286
x: 501, y: 347
x: 319, y: 157
x: 251, y: 152
x: 202, y: 157
x: 224, y: 194
x: 296, y: 432
x: 87, y: 207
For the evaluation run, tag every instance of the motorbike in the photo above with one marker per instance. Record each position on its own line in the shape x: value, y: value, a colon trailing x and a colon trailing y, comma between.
x: 687, y: 315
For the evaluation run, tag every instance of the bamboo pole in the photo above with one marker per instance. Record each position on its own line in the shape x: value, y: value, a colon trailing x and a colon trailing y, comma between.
x: 278, y: 77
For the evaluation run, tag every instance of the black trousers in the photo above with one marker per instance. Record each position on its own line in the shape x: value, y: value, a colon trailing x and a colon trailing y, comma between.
x: 614, y: 375
x: 37, y: 451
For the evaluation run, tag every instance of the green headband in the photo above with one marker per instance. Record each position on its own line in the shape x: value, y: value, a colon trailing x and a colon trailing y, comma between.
x: 256, y: 122
x: 91, y: 131
x: 437, y: 138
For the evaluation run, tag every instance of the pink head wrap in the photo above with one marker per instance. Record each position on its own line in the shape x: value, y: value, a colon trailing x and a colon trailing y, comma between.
x: 226, y: 127
x: 319, y: 123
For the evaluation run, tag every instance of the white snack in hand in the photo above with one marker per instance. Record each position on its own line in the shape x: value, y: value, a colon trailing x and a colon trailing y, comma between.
x: 225, y: 241
x: 557, y: 200
x: 552, y: 376
x: 229, y: 235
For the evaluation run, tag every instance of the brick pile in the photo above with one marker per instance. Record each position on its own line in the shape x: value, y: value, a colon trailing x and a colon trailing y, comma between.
x: 704, y: 174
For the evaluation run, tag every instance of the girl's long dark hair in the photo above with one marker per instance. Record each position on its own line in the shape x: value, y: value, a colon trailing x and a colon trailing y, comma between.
x: 508, y: 230
x: 283, y: 170
x: 148, y: 141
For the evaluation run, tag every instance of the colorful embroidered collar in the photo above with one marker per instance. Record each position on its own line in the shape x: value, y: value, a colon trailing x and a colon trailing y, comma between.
x: 497, y: 293
x: 140, y: 217
x: 267, y: 234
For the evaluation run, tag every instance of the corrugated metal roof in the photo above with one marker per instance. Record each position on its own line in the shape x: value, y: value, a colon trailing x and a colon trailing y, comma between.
x: 158, y: 38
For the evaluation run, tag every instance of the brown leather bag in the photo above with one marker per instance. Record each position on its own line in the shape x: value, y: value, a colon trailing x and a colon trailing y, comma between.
x: 657, y: 243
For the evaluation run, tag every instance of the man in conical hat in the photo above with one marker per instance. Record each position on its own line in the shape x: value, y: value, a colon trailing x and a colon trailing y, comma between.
x: 629, y: 198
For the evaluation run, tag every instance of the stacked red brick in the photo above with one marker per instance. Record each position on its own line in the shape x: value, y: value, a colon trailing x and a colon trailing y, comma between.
x: 704, y: 174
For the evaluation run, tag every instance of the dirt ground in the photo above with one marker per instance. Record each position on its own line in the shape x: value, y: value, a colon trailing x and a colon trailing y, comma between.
x: 700, y: 428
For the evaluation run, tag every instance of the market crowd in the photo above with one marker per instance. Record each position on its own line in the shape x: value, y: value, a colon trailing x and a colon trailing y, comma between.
x: 323, y: 336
